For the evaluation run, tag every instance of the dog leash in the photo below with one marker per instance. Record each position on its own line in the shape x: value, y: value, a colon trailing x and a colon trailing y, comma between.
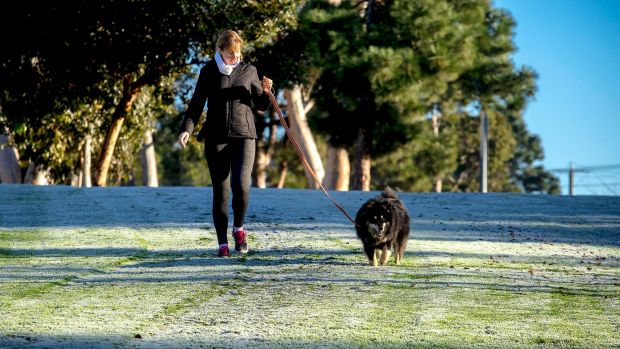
x: 302, y: 157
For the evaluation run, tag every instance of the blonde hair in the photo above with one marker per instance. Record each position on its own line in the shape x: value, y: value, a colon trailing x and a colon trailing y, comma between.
x: 229, y: 39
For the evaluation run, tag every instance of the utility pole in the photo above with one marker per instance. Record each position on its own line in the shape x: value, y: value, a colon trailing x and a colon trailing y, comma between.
x: 571, y: 176
x: 484, y: 149
x: 586, y: 169
x: 571, y: 179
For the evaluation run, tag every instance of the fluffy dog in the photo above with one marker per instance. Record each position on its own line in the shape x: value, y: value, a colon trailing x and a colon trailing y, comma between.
x: 382, y: 224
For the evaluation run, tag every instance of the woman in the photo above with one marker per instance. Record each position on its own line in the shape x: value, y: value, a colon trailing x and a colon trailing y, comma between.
x: 230, y: 86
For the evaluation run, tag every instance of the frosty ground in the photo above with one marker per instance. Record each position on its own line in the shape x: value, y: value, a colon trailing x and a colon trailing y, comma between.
x: 135, y: 267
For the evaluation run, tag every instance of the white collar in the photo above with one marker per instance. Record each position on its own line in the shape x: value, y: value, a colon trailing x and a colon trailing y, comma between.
x: 224, y: 68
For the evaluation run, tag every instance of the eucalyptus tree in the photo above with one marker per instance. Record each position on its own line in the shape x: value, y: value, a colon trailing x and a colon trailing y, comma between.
x: 77, y: 53
x: 106, y: 52
x: 291, y: 60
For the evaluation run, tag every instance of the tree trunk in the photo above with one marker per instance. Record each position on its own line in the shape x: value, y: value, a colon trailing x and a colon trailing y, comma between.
x: 107, y: 150
x: 262, y: 161
x: 303, y: 135
x: 264, y: 152
x: 36, y: 174
x: 484, y: 150
x: 361, y: 178
x: 76, y: 179
x: 438, y: 186
x: 88, y: 144
x: 149, y: 163
x: 9, y: 163
x: 124, y: 106
x: 283, y: 172
x: 435, y: 119
x: 338, y: 169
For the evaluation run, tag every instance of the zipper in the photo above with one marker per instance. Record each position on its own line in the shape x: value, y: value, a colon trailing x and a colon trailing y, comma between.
x: 230, y: 103
x: 229, y: 124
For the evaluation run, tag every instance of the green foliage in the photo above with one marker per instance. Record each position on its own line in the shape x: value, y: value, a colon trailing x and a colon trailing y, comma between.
x: 418, y: 164
x: 383, y: 71
x: 295, y: 175
x: 501, y: 145
x: 152, y: 105
x: 349, y: 93
x: 176, y: 166
x: 389, y: 73
x: 70, y: 72
x: 75, y: 55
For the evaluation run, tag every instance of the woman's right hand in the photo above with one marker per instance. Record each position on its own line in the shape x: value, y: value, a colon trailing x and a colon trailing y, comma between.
x: 183, y: 138
x: 267, y: 84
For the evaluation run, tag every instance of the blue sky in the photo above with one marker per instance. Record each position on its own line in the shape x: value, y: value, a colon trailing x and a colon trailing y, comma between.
x: 574, y: 46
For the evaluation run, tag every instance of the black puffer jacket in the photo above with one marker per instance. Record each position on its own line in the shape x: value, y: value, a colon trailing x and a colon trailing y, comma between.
x: 229, y: 113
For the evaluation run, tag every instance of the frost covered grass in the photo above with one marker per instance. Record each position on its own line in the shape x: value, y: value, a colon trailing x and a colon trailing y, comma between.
x: 135, y: 267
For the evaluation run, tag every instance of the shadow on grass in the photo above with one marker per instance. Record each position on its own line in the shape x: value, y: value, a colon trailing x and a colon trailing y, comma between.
x: 278, y: 256
x: 40, y: 340
x: 332, y: 266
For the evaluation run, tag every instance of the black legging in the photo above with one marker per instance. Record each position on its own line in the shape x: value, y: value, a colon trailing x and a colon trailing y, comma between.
x: 237, y: 158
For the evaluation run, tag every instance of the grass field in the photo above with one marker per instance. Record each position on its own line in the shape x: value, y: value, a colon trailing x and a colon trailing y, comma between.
x: 135, y: 267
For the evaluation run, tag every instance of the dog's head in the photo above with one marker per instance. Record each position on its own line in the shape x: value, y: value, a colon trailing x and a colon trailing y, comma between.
x: 378, y: 221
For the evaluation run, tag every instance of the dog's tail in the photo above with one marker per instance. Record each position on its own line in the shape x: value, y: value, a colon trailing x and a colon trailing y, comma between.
x: 389, y: 193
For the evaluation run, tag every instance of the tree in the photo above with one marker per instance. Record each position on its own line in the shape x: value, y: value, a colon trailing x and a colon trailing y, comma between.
x: 82, y: 61
x: 483, y: 76
x: 108, y: 52
x: 386, y: 69
x: 266, y: 127
x: 503, y: 90
x: 297, y: 110
x: 9, y: 166
x: 291, y: 60
x: 345, y: 102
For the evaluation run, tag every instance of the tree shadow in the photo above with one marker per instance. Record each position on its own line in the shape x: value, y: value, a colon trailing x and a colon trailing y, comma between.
x: 332, y: 266
x: 135, y: 340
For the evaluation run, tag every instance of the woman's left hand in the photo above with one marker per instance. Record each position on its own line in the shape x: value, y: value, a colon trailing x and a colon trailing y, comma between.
x: 267, y: 84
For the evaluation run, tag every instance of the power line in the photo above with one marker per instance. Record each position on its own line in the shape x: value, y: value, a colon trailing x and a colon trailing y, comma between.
x: 589, y: 168
x: 605, y: 184
x: 601, y: 168
x: 590, y: 185
x: 571, y: 170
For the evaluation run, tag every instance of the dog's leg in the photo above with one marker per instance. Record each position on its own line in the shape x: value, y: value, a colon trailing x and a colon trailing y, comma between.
x: 385, y: 254
x: 399, y: 250
x: 396, y: 247
x: 375, y: 257
x: 371, y: 253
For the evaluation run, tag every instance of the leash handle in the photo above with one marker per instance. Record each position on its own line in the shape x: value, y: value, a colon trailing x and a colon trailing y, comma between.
x: 301, y: 155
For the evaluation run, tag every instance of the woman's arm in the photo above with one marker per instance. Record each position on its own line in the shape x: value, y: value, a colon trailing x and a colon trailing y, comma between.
x: 197, y: 103
x: 260, y: 98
